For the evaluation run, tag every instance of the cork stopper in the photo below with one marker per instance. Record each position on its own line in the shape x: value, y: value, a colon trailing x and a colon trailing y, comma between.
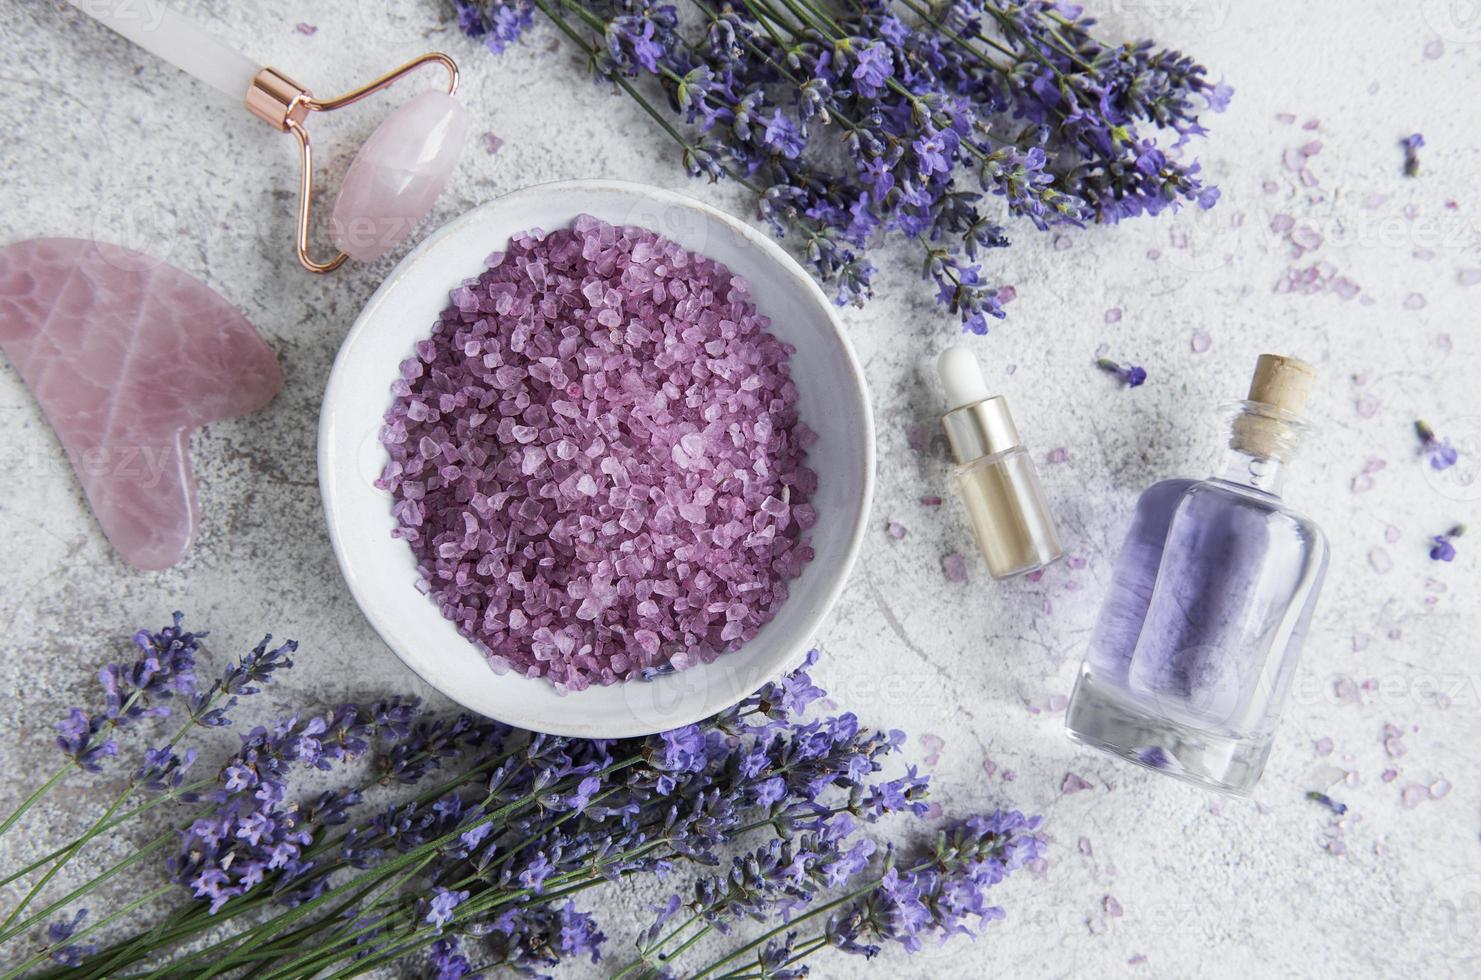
x: 1282, y: 382
x: 1278, y: 390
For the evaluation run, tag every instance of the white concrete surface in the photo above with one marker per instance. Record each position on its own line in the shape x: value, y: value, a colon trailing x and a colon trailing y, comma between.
x: 103, y: 141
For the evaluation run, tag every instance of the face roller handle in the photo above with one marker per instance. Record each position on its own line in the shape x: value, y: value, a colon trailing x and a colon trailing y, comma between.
x: 177, y: 39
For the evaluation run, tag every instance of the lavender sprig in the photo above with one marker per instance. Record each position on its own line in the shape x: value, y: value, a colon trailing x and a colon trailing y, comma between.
x: 480, y: 870
x: 951, y: 122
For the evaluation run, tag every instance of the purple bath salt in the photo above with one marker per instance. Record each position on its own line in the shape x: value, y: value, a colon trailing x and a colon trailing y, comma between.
x: 597, y: 459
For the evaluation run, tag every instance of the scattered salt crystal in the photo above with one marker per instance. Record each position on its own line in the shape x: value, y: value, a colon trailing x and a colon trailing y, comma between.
x: 896, y: 530
x: 1061, y: 242
x: 1059, y: 455
x: 1391, y: 534
x: 1306, y: 237
x: 492, y: 144
x: 1468, y: 277
x: 1285, y: 118
x: 1085, y: 848
x: 954, y: 566
x: 1073, y: 783
x: 930, y: 500
x: 1311, y: 149
x: 1434, y: 49
x: 1380, y: 560
x: 1201, y: 340
x: 307, y: 30
x: 933, y: 744
x: 1057, y: 702
x: 1367, y: 406
x: 1154, y: 254
x: 1113, y: 315
x: 1006, y: 294
x: 1035, y: 575
x: 1389, y: 775
x: 918, y: 437
x: 1413, y: 795
x: 1393, y: 741
x: 1311, y: 124
x: 1136, y: 960
x: 1323, y: 746
x: 1439, y: 788
x: 1075, y: 562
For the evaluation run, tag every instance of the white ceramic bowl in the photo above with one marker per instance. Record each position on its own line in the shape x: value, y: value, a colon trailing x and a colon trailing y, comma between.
x: 381, y: 570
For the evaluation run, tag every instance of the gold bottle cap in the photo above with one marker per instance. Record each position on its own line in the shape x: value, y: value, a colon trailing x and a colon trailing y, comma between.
x: 983, y: 428
x: 977, y: 425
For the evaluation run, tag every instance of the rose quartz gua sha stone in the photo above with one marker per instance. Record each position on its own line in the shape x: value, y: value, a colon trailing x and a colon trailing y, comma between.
x: 397, y: 175
x: 127, y: 355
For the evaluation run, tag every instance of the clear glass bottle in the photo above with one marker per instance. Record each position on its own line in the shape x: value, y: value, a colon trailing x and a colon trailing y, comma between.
x: 995, y: 475
x: 1209, y: 602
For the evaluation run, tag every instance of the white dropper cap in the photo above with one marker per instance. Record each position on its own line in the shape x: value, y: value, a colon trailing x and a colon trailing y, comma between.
x: 961, y: 376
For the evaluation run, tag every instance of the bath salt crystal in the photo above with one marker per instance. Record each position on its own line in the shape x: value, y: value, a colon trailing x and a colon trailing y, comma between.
x: 954, y: 566
x: 597, y: 459
x: 1073, y: 783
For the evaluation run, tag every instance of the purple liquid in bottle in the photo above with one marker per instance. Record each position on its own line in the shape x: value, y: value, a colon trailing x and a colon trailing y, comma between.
x: 1201, y: 630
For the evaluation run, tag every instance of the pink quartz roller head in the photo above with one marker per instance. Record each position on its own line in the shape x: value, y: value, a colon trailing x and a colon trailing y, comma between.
x: 397, y: 174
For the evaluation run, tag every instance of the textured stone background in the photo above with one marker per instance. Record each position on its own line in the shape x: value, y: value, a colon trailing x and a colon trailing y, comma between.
x: 103, y: 141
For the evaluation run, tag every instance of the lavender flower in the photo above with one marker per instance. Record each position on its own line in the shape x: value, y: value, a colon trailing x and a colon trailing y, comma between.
x: 1411, y: 145
x: 57, y: 934
x: 440, y: 907
x: 163, y: 667
x: 1443, y: 548
x: 1131, y: 375
x: 1442, y: 454
x: 1327, y: 801
x: 445, y: 961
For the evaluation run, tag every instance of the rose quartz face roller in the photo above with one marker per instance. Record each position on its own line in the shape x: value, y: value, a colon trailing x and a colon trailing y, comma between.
x: 394, y: 179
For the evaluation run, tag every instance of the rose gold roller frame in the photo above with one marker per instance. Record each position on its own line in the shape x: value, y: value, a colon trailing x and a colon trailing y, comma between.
x: 284, y: 104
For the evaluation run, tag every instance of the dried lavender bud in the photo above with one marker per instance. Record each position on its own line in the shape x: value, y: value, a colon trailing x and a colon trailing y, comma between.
x: 1131, y: 375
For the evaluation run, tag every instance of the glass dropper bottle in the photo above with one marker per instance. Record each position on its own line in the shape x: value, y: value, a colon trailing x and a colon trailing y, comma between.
x: 995, y: 476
